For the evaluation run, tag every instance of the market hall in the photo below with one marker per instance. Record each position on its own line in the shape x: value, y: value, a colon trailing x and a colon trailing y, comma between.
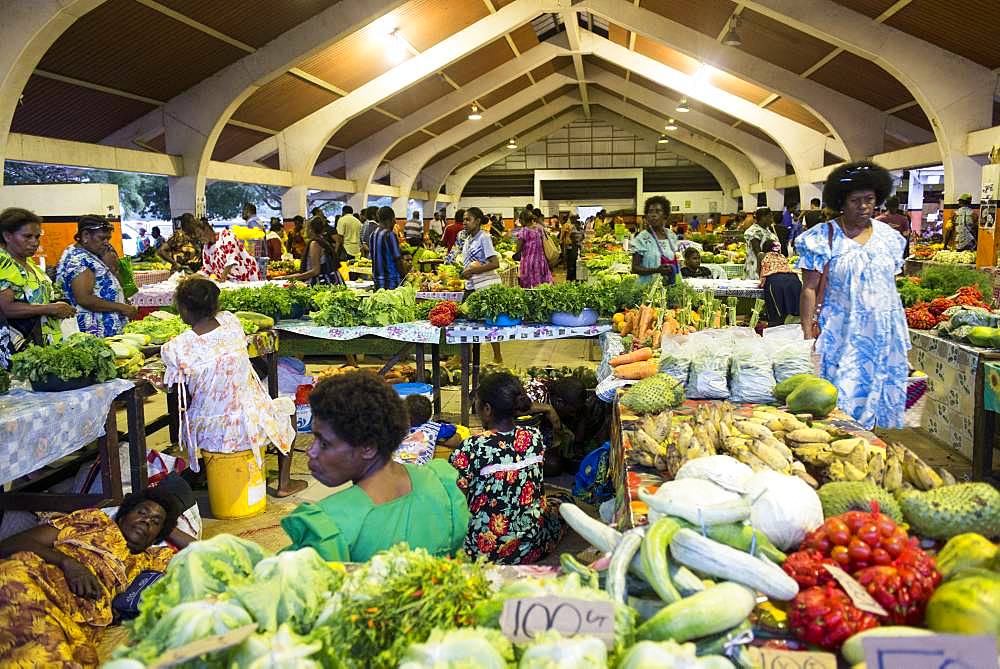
x: 736, y: 264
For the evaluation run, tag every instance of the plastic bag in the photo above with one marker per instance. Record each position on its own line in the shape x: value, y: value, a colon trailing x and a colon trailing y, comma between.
x: 708, y: 378
x: 791, y: 353
x: 675, y: 359
x: 751, y: 374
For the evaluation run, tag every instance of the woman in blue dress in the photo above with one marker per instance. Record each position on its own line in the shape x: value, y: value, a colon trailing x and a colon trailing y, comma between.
x: 863, y: 339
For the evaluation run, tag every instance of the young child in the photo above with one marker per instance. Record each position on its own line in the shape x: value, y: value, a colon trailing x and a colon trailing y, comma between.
x: 418, y: 446
x: 692, y: 268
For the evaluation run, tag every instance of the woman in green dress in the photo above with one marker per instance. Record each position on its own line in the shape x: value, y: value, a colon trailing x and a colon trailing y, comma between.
x: 25, y: 291
x: 358, y: 422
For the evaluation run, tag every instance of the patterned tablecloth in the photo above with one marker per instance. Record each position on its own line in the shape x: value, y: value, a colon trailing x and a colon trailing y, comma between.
x: 39, y: 428
x: 445, y: 295
x: 465, y: 332
x: 151, y: 276
x: 417, y: 332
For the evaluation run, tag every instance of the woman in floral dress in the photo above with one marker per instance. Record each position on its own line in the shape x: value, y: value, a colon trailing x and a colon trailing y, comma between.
x: 500, y: 473
x: 224, y: 255
x: 863, y: 339
x: 758, y: 236
x: 534, y: 268
x: 229, y: 408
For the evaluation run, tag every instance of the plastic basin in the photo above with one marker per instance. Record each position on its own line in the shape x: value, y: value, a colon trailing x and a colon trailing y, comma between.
x: 568, y: 320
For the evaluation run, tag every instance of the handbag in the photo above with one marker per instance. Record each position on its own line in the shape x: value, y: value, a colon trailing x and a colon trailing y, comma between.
x: 552, y: 253
x: 821, y: 288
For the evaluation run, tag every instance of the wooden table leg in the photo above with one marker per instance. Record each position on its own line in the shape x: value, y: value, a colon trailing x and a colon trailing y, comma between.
x: 436, y: 376
x: 107, y: 455
x: 466, y: 382
x: 421, y: 363
x: 174, y: 416
x: 136, y: 416
x: 286, y: 485
x: 476, y: 351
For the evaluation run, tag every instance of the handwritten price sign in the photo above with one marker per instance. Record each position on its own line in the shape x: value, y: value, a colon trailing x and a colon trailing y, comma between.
x: 938, y: 651
x: 522, y: 619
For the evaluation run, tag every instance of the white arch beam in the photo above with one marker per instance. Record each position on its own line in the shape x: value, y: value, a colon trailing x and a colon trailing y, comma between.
x: 767, y: 159
x: 857, y: 127
x: 718, y: 169
x: 955, y: 93
x: 29, y: 29
x: 738, y: 163
x: 407, y: 167
x: 804, y: 146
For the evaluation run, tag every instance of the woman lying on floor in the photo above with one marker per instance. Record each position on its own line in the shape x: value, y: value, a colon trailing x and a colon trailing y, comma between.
x: 57, y: 580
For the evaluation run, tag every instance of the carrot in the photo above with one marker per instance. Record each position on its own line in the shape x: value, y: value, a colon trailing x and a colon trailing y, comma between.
x: 634, y: 356
x: 636, y: 370
x: 657, y: 335
x: 628, y: 324
x: 645, y: 317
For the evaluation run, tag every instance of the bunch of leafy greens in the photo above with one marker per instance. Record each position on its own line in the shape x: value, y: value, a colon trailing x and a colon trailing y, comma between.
x: 205, y: 568
x: 159, y: 330
x: 551, y: 650
x: 569, y: 297
x: 489, y: 303
x: 337, y: 308
x: 394, y: 600
x: 945, y: 281
x: 628, y: 293
x: 386, y: 307
x: 184, y: 623
x: 78, y: 356
x: 487, y: 614
x: 287, y: 589
x: 249, y: 326
x: 270, y: 300
x: 271, y: 651
x: 460, y: 649
x: 424, y: 308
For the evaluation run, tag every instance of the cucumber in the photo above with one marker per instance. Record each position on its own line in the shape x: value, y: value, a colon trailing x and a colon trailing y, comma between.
x: 571, y: 565
x: 711, y: 611
x: 655, y: 561
x: 593, y: 531
x: 620, y: 560
x: 853, y: 649
x: 716, y: 644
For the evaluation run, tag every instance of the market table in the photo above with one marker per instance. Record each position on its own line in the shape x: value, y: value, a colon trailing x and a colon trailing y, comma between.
x: 37, y: 429
x: 471, y: 335
x: 956, y: 412
x: 745, y: 288
x: 417, y: 333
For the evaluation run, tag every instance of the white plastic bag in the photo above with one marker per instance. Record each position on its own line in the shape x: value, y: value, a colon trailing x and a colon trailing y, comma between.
x: 791, y: 353
x: 751, y: 374
x: 708, y: 379
x: 675, y: 358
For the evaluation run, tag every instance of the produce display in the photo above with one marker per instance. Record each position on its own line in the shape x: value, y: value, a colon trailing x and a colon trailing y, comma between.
x: 128, y: 358
x: 160, y: 326
x: 341, y: 307
x: 150, y: 266
x: 446, y: 279
x: 279, y: 268
x: 955, y: 257
x: 79, y: 356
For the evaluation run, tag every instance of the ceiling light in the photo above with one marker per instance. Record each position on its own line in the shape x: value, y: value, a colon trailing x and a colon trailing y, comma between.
x: 474, y: 115
x: 670, y: 125
x: 397, y: 46
x: 682, y: 106
x: 512, y: 143
x: 663, y: 140
x: 732, y: 37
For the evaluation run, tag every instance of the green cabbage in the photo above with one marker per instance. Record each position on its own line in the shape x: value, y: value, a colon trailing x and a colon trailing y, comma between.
x: 469, y: 648
x: 288, y: 588
x: 669, y: 655
x: 184, y: 623
x: 203, y: 569
x: 276, y: 651
x: 550, y: 650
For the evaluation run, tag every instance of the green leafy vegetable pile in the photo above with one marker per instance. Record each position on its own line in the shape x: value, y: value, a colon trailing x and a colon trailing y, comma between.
x: 160, y: 330
x: 345, y: 308
x: 489, y: 303
x: 337, y: 308
x: 270, y: 300
x: 570, y: 297
x: 78, y: 356
x: 940, y: 281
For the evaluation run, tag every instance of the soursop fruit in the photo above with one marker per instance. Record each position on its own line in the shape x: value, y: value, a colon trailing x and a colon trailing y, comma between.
x: 842, y: 496
x: 951, y: 510
x: 654, y: 394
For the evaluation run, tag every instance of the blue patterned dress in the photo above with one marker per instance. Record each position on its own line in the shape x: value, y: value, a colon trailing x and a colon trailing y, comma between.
x: 73, y: 263
x: 864, y: 340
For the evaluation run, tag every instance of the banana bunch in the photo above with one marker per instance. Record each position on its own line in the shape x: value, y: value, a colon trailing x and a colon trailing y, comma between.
x: 905, y: 468
x: 666, y: 442
x: 758, y: 440
x: 129, y: 367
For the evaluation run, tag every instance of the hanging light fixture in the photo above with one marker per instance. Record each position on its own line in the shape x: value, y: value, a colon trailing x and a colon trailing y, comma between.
x: 663, y: 140
x: 512, y: 143
x: 732, y: 37
x: 682, y: 106
x: 397, y: 50
x: 670, y: 124
x: 474, y: 115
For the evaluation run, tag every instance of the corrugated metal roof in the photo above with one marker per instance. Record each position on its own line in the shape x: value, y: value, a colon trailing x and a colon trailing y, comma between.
x: 706, y: 16
x: 862, y: 79
x: 663, y: 53
x: 254, y: 22
x: 53, y: 108
x: 282, y: 101
x: 354, y: 60
x: 424, y: 23
x: 449, y: 121
x: 779, y: 44
x: 128, y: 46
x: 233, y: 140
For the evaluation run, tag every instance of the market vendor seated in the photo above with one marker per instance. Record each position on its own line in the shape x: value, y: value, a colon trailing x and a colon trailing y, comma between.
x: 692, y: 268
x: 501, y: 473
x: 224, y: 256
x: 358, y: 422
x: 425, y: 434
x: 25, y: 290
x: 57, y: 580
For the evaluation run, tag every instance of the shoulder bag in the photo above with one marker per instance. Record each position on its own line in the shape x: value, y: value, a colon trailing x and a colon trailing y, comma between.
x: 821, y: 288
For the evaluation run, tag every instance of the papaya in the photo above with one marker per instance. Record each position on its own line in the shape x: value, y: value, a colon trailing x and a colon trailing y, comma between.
x: 964, y: 551
x: 785, y: 388
x: 981, y: 336
x: 966, y: 606
x: 815, y: 396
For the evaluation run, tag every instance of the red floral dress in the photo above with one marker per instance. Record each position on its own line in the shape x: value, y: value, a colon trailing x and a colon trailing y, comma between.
x: 501, y: 475
x: 227, y: 251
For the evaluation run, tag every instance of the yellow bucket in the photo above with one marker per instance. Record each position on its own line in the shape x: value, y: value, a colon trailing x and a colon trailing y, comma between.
x: 236, y: 485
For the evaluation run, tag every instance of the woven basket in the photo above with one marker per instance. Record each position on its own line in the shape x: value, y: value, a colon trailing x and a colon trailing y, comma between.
x: 509, y: 276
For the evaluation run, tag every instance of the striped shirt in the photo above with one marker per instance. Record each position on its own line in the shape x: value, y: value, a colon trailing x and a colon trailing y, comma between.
x: 385, y: 252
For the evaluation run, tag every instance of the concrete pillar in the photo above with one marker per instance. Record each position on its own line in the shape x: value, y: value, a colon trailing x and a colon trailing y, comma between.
x: 915, y: 200
x: 185, y: 196
x: 295, y: 202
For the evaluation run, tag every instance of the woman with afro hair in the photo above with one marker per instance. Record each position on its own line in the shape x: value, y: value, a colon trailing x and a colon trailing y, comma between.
x: 862, y: 338
x: 358, y: 422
